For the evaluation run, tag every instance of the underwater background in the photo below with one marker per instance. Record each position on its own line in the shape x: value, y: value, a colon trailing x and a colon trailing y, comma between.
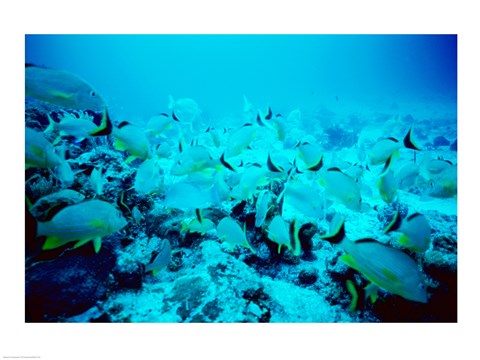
x: 359, y: 129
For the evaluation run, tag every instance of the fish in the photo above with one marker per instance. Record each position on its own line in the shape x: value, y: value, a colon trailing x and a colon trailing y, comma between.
x: 39, y: 152
x: 137, y: 215
x: 282, y: 233
x: 229, y: 230
x: 251, y: 178
x: 185, y: 110
x: 199, y: 224
x: 407, y: 175
x: 149, y: 177
x: 193, y: 159
x: 261, y: 207
x: 416, y: 231
x: 162, y: 150
x: 342, y: 188
x: 445, y: 183
x: 87, y: 221
x: 387, y: 184
x: 311, y: 156
x: 97, y: 181
x: 162, y: 259
x: 388, y: 268
x: 184, y: 195
x: 305, y: 198
x: 240, y: 140
x: 80, y: 127
x: 294, y: 117
x: 132, y: 139
x: 157, y: 125
x: 62, y: 88
x: 383, y: 149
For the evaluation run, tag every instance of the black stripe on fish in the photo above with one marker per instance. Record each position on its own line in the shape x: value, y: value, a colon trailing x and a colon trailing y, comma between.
x: 337, y: 237
x: 407, y: 141
x: 271, y: 166
x: 394, y: 224
x: 413, y: 216
x: 106, y: 125
x: 269, y: 115
x: 198, y: 214
x: 226, y: 164
x: 317, y: 166
x: 387, y: 165
x: 174, y: 117
x: 278, y: 115
x: 259, y: 120
x: 163, y: 114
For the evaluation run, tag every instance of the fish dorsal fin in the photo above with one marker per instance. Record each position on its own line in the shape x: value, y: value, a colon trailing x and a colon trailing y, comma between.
x: 269, y: 114
x: 410, y: 217
x: 335, y: 169
x: 55, y: 209
x: 123, y: 124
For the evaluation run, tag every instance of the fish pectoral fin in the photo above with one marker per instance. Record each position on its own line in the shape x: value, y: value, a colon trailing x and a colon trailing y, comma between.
x: 97, y: 243
x: 51, y: 242
x: 371, y: 291
x: 119, y: 145
x: 80, y: 243
x: 130, y: 159
x: 349, y: 260
x: 404, y: 240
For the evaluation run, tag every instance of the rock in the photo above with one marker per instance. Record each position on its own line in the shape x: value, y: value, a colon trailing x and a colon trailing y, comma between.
x: 453, y: 147
x: 440, y: 141
x: 130, y: 279
x: 68, y: 285
x: 308, y: 276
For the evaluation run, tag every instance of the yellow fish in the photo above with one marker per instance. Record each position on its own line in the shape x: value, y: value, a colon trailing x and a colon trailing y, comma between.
x: 385, y: 266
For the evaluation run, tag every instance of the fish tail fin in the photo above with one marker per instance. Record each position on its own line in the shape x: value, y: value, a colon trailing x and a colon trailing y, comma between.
x: 105, y: 127
x: 408, y: 142
x: 294, y: 238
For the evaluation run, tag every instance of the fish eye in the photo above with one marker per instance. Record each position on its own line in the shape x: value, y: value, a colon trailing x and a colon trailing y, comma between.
x: 93, y: 93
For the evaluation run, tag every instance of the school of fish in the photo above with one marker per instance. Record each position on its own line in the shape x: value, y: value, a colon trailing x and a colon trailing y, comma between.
x: 183, y: 162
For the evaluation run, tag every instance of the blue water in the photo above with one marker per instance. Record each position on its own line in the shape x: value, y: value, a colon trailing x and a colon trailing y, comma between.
x: 137, y: 73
